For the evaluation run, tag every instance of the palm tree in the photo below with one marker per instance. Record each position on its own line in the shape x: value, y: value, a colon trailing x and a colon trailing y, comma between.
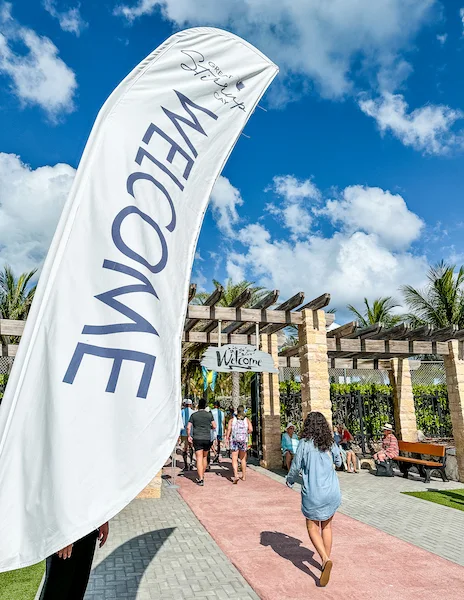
x: 441, y: 302
x: 15, y: 297
x: 379, y: 312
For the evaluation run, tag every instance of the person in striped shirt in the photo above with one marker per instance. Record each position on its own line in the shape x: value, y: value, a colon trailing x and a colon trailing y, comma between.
x: 390, y: 447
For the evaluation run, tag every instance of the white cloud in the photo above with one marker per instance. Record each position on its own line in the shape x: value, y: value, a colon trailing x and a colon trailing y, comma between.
x: 370, y: 256
x: 442, y: 38
x: 70, y: 20
x: 348, y: 266
x: 373, y: 210
x: 224, y: 201
x: 39, y: 76
x: 321, y: 41
x: 461, y: 14
x: 428, y: 129
x: 293, y: 189
x: 294, y: 210
x: 30, y: 205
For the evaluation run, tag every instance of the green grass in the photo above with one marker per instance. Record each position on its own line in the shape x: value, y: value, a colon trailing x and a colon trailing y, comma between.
x: 451, y: 498
x: 21, y: 584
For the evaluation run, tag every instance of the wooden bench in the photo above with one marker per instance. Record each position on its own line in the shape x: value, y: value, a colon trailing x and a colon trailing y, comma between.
x: 425, y: 466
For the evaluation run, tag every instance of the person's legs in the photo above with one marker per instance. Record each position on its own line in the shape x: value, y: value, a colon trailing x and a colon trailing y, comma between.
x: 349, y: 461
x: 200, y: 464
x: 68, y: 579
x: 354, y: 460
x: 234, y: 454
x: 206, y: 458
x: 243, y: 457
x: 185, y: 452
x: 315, y: 536
x: 326, y: 527
x: 288, y: 459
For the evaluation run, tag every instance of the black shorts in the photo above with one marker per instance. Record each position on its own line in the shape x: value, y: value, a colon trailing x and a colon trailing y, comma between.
x: 204, y: 445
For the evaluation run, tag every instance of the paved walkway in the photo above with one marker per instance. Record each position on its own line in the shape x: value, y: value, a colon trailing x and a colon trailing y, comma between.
x: 380, y: 503
x: 259, y: 526
x: 158, y: 549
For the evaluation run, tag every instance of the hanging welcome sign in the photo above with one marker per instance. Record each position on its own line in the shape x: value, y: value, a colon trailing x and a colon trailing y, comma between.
x: 239, y: 358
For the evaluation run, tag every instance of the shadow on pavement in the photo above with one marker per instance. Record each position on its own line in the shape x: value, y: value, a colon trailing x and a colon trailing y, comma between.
x: 136, y: 555
x: 291, y: 549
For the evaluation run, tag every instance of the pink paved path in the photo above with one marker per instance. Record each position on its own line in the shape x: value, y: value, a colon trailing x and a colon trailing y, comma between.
x: 259, y: 526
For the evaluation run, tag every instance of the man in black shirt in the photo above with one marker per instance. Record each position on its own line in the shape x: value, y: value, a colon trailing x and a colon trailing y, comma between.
x: 201, y: 422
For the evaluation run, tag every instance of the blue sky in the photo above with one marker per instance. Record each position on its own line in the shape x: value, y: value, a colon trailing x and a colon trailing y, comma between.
x: 350, y: 183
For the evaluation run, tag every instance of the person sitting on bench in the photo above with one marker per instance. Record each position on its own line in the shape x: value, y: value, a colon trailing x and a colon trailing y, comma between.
x: 290, y: 443
x: 390, y: 447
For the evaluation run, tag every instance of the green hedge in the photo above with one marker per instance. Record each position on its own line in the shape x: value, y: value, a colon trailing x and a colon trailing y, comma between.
x: 427, y: 398
x: 377, y: 405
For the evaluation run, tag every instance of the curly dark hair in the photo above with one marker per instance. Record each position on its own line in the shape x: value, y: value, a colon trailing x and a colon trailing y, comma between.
x: 317, y: 429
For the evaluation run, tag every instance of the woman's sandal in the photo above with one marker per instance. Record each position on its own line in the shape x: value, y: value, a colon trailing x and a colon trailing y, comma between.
x: 235, y: 480
x: 325, y: 574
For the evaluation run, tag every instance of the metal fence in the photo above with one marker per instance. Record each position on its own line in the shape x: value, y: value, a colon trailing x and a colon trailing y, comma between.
x: 428, y: 373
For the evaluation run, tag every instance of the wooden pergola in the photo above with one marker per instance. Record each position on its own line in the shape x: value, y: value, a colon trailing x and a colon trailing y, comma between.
x: 370, y: 347
x: 352, y: 346
x: 239, y: 325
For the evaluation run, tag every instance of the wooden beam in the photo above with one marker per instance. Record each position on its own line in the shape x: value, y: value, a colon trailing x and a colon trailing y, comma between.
x: 316, y: 304
x: 292, y: 302
x: 363, y: 348
x: 293, y: 351
x: 250, y: 315
x: 242, y: 299
x: 212, y: 300
x: 11, y: 327
x: 419, y: 333
x: 343, y: 330
x: 10, y: 349
x: 398, y: 332
x: 201, y: 337
x: 444, y: 334
x: 264, y: 303
x: 288, y: 305
x: 366, y: 332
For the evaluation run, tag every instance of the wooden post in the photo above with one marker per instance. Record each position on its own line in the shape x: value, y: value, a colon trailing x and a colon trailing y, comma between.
x: 315, y: 386
x: 403, y: 399
x: 454, y: 368
x: 270, y: 408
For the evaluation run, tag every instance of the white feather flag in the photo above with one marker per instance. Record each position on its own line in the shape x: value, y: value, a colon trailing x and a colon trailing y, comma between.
x: 91, y: 410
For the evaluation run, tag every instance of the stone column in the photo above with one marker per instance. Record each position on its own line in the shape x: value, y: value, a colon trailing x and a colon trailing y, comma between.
x: 403, y: 399
x: 315, y: 386
x: 454, y: 367
x: 270, y: 408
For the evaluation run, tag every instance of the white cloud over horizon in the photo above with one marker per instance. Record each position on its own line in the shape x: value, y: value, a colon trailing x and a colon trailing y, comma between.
x: 39, y: 76
x: 31, y: 201
x: 70, y: 19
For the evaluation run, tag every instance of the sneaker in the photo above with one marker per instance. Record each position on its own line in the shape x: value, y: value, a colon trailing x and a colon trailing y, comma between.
x: 199, y: 481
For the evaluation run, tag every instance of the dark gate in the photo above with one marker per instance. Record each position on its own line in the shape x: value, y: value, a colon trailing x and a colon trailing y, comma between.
x: 256, y: 436
x: 363, y: 414
x: 290, y: 407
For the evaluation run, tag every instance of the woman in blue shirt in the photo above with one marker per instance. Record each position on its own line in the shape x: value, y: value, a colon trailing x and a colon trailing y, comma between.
x: 289, y: 444
x: 320, y: 491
